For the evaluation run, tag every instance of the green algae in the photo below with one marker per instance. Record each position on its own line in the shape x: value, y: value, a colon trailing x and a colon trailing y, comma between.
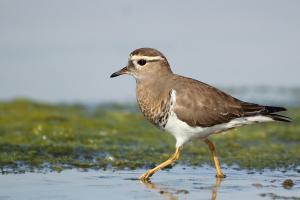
x: 37, y: 136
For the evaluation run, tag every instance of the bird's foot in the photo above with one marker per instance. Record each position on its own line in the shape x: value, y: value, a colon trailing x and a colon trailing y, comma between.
x: 221, y: 175
x: 146, y: 176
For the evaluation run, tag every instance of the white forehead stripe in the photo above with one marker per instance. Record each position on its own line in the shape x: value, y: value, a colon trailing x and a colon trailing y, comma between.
x: 148, y: 58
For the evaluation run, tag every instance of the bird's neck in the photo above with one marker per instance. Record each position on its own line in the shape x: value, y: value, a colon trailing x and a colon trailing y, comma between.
x: 152, y: 95
x: 153, y: 83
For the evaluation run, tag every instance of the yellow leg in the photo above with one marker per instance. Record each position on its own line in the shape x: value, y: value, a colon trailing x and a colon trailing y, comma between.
x: 172, y: 159
x: 212, y: 148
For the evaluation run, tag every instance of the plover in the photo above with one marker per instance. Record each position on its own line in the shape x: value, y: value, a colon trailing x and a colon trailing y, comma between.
x: 186, y: 108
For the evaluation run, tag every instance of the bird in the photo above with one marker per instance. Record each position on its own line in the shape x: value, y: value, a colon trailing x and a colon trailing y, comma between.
x: 187, y: 108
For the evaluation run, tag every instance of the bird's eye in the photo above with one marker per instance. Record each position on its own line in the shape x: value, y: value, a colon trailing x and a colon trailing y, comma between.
x: 142, y: 62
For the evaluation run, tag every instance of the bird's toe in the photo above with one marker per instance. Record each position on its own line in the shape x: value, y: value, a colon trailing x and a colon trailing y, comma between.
x: 221, y: 176
x: 145, y: 177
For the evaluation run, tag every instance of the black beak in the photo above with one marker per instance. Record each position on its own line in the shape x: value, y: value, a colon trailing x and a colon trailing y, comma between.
x: 115, y: 74
x: 120, y: 72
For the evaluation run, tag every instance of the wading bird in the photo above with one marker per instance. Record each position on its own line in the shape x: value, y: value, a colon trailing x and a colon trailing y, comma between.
x: 187, y: 108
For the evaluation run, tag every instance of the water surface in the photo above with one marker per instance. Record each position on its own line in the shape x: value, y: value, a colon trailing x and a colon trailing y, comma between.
x: 180, y: 182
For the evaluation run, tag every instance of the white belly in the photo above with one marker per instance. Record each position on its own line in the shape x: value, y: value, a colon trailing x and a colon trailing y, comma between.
x: 184, y: 133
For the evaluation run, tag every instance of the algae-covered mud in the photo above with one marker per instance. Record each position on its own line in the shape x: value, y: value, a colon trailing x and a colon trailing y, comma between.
x: 43, y: 137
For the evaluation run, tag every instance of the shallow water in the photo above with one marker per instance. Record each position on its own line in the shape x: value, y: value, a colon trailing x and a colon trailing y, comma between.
x: 177, y: 183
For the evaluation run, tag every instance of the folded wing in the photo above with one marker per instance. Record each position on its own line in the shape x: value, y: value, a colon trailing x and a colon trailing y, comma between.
x: 203, y: 105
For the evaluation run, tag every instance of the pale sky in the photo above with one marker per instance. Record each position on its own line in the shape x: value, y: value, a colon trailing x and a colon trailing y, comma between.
x: 65, y: 50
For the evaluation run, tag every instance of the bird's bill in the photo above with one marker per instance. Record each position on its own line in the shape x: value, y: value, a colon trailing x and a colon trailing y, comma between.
x: 120, y: 72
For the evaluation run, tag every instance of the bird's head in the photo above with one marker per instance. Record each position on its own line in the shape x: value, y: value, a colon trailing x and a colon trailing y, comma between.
x: 145, y: 63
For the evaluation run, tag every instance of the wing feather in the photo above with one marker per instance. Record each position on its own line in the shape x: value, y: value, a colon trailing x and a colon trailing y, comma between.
x: 200, y: 104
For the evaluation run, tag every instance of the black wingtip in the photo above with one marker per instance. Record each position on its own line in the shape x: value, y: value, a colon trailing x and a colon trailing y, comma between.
x: 281, y: 118
x: 274, y: 109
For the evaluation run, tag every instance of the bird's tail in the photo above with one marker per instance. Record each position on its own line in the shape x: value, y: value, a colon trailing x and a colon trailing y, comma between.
x: 281, y: 118
x: 272, y: 110
x: 269, y: 111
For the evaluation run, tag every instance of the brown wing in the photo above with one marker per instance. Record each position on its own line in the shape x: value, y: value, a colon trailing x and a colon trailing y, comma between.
x: 202, y: 105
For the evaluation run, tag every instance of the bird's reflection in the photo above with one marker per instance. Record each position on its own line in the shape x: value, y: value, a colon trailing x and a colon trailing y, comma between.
x: 215, y: 188
x: 162, y: 191
x: 172, y: 194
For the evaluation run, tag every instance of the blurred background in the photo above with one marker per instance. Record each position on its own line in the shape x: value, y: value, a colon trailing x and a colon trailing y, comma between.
x: 65, y: 50
x: 59, y: 110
